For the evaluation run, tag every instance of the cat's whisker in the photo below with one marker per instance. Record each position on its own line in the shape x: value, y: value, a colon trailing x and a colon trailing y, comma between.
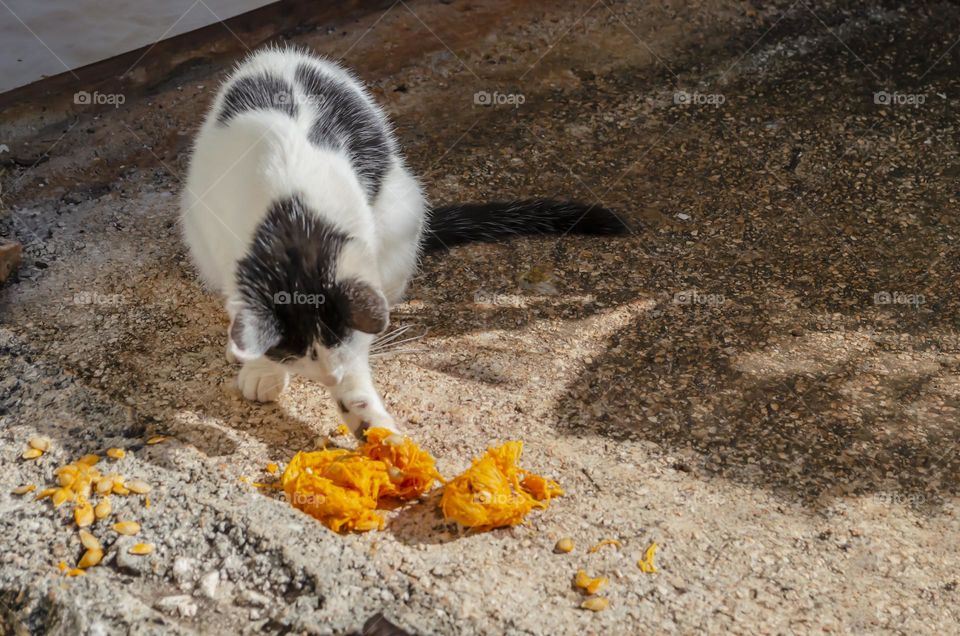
x: 392, y: 335
x: 391, y: 352
x: 393, y: 345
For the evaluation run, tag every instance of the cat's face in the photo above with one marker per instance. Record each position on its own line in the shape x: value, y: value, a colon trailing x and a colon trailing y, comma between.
x: 295, y: 301
x: 316, y: 337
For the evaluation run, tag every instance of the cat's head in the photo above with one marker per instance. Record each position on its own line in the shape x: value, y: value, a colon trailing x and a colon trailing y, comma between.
x: 306, y: 295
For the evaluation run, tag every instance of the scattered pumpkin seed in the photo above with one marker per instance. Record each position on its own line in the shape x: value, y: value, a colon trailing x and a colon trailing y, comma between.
x: 89, y: 541
x: 103, y: 508
x: 128, y: 528
x: 84, y: 488
x: 596, y: 604
x: 42, y: 444
x: 141, y: 548
x: 90, y: 558
x: 31, y: 453
x: 62, y: 566
x: 138, y: 486
x: 46, y: 492
x: 272, y: 468
x: 156, y: 439
x: 88, y: 460
x: 76, y: 572
x: 61, y: 495
x: 589, y: 585
x: 146, y: 501
x: 83, y: 515
x: 105, y: 486
x: 24, y: 489
x: 564, y: 545
x: 116, y: 453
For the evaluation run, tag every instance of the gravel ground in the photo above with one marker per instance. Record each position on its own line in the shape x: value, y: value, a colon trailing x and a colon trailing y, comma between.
x: 764, y: 378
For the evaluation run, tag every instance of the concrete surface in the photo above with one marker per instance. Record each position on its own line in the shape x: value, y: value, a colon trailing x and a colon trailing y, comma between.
x: 764, y: 378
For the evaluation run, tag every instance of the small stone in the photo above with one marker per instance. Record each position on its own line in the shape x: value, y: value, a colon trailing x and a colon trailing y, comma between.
x: 180, y: 604
x: 183, y: 569
x: 208, y: 583
x: 442, y: 570
x: 249, y: 598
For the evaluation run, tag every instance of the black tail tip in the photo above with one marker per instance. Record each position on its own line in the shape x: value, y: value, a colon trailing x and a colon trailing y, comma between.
x: 599, y: 220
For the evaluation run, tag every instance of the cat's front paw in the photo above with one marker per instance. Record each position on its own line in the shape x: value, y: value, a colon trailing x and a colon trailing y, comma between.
x: 359, y: 415
x: 262, y: 383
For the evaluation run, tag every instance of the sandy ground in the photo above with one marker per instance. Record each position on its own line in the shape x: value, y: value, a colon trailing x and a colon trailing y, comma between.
x: 764, y: 378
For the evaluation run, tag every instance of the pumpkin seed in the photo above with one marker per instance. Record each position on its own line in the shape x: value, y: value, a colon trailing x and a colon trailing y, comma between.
x: 596, y: 604
x: 564, y: 545
x: 128, y: 528
x: 89, y: 541
x: 90, y: 558
x: 141, y: 548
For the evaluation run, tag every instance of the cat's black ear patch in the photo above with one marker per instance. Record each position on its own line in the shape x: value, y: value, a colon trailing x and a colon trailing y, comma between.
x: 366, y: 308
x: 251, y: 337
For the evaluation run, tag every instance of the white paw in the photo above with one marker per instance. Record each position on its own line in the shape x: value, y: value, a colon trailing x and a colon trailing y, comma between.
x: 362, y: 414
x: 261, y: 383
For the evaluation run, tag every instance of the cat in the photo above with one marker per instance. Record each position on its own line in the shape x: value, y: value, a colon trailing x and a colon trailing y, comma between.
x: 299, y: 209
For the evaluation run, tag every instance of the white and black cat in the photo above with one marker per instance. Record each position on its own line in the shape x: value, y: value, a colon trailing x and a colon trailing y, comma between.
x: 299, y: 209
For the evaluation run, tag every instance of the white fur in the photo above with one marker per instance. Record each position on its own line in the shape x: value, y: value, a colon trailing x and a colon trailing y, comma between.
x: 237, y: 170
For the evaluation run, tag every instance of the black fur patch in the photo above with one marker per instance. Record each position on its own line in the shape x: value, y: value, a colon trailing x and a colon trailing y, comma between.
x: 260, y: 92
x: 346, y: 122
x: 287, y: 280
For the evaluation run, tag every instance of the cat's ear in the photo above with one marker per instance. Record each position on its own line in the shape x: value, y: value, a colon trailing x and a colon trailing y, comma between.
x: 251, y: 336
x: 366, y: 308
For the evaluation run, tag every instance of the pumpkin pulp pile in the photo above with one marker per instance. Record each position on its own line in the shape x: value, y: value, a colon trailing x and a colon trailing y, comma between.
x: 344, y: 489
x: 495, y: 491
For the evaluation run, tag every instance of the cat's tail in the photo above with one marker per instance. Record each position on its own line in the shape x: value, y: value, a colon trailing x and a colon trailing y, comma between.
x: 451, y: 225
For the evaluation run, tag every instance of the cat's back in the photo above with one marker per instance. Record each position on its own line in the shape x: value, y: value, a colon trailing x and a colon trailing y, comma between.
x: 331, y: 107
x: 284, y: 121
